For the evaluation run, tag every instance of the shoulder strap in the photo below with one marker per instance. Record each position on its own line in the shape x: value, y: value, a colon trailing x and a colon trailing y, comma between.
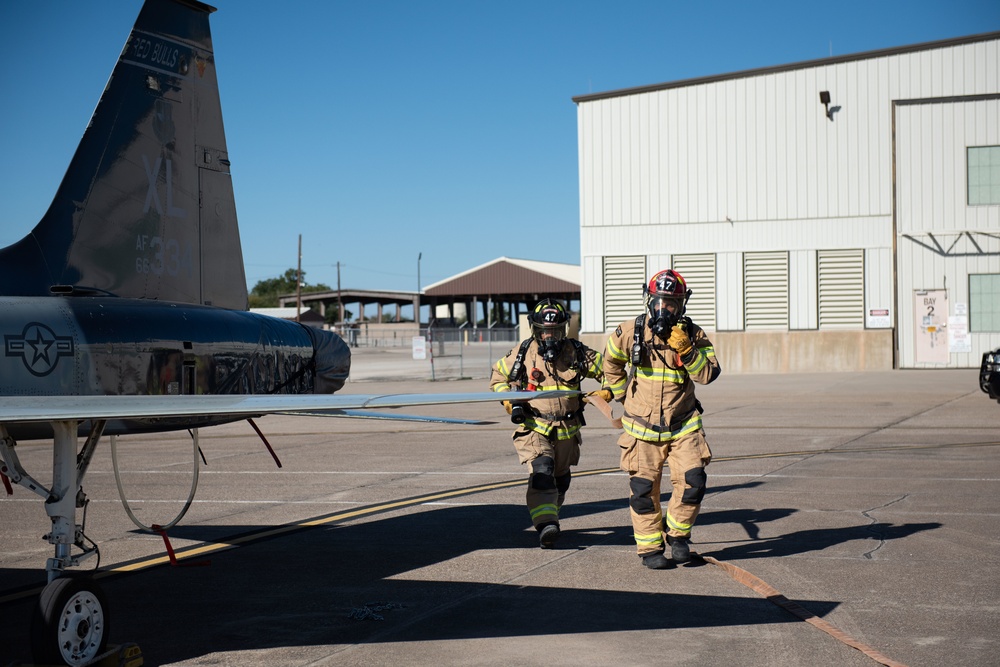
x: 517, y: 370
x: 636, y: 352
x: 581, y: 356
x: 640, y: 322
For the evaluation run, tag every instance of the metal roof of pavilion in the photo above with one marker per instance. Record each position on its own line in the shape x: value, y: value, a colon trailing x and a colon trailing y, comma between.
x: 508, y: 276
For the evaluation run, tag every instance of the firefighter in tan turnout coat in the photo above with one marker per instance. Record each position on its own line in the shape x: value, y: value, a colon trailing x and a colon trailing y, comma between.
x: 651, y: 364
x: 548, y: 433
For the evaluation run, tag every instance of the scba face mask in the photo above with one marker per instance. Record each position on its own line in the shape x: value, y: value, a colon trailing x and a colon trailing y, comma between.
x: 661, y: 317
x: 551, y: 346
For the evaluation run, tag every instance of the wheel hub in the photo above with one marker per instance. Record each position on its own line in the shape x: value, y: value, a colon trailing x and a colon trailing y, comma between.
x: 79, y: 634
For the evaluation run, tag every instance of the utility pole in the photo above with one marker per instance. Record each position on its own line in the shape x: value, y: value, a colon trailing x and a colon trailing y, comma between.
x: 416, y: 315
x: 298, y: 284
x: 340, y: 304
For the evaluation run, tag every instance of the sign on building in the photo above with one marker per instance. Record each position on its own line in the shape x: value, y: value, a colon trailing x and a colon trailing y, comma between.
x: 930, y: 312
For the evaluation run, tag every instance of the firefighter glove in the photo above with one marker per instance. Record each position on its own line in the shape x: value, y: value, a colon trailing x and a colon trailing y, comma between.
x: 680, y: 341
x: 507, y: 406
x: 604, y: 394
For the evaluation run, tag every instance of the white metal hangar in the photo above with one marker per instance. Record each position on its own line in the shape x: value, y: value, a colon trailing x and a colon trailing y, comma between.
x: 835, y: 214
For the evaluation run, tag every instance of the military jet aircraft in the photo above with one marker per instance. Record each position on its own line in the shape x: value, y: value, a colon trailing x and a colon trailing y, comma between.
x: 124, y: 309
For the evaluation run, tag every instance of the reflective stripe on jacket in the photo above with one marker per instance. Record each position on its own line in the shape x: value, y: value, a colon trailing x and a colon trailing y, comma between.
x: 660, y: 402
x: 559, y: 374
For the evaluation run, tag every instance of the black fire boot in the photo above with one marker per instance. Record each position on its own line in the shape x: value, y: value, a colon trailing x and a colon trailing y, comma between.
x: 680, y: 549
x: 547, y: 535
x: 655, y: 561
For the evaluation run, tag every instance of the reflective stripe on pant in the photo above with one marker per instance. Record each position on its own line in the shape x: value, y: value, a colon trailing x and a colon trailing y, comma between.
x: 686, y: 458
x: 548, y: 481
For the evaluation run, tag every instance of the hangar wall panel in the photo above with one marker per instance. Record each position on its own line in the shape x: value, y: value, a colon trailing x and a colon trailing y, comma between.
x: 592, y: 293
x: 752, y: 163
x: 802, y: 312
x: 746, y: 150
x: 760, y: 236
x: 729, y: 311
x: 941, y: 238
x: 878, y: 286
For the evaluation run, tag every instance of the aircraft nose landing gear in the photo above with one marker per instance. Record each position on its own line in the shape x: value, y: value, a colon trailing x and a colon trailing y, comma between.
x: 70, y: 624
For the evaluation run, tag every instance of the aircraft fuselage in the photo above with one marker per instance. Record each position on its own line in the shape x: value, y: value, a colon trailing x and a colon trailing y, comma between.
x: 81, y: 345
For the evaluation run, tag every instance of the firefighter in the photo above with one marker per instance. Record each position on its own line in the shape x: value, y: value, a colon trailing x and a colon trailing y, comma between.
x: 651, y: 364
x: 548, y: 431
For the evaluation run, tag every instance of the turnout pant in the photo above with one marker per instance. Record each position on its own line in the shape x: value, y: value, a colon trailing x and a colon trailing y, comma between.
x: 550, y: 461
x: 686, y: 458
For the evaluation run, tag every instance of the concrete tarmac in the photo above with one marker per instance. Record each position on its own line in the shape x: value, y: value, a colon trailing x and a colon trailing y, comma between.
x: 869, y: 500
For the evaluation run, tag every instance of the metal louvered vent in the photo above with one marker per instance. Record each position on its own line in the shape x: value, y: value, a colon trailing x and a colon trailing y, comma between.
x: 765, y: 285
x: 699, y: 274
x: 623, y: 281
x: 841, y: 289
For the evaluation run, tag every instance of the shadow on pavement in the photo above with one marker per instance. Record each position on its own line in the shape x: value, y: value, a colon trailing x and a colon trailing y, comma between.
x: 305, y: 588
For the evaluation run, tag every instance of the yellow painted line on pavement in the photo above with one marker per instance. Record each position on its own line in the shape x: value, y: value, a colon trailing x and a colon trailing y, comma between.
x: 409, y: 502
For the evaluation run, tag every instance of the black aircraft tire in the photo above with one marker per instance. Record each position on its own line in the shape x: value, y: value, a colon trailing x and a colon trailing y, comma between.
x: 70, y: 623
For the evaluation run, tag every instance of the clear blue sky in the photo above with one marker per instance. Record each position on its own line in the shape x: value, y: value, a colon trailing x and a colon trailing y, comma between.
x: 383, y: 129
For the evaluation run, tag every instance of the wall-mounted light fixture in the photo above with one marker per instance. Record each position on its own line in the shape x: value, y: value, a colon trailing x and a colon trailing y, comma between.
x: 824, y: 98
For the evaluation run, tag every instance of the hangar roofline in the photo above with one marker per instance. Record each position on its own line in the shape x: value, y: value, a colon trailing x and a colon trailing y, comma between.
x: 743, y: 74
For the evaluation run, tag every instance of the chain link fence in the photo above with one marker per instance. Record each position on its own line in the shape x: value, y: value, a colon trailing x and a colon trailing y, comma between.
x: 376, y: 335
x: 446, y: 353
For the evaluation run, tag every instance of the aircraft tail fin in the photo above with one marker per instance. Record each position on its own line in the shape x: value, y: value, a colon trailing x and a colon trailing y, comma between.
x: 146, y: 208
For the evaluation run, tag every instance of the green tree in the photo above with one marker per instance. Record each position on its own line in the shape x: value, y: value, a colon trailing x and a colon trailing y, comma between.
x: 266, y: 292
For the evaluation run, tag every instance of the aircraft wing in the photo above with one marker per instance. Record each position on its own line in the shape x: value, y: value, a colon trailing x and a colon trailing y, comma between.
x: 388, y: 416
x: 26, y: 409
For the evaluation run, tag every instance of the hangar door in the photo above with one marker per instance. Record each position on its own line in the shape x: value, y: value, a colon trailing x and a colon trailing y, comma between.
x: 947, y: 223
